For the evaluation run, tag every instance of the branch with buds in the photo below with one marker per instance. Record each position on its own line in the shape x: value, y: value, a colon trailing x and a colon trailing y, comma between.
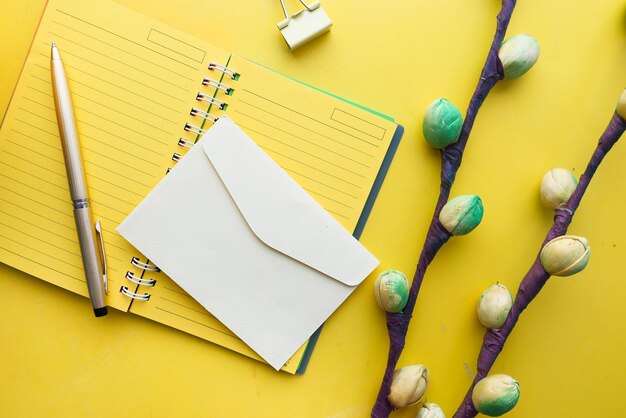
x: 560, y: 255
x: 444, y: 129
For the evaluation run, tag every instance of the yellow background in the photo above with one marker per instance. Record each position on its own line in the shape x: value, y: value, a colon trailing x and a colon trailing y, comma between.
x: 56, y: 359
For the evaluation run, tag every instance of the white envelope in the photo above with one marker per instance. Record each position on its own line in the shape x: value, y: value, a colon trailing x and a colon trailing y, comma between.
x: 230, y: 227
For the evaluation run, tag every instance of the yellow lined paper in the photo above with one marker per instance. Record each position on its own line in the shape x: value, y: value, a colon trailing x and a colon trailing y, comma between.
x: 131, y: 97
x: 331, y: 148
x: 134, y: 82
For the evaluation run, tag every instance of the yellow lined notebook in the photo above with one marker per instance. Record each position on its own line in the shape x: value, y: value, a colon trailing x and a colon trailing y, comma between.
x: 143, y: 92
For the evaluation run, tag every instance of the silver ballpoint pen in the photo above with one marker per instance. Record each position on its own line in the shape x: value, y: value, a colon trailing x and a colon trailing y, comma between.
x: 78, y: 186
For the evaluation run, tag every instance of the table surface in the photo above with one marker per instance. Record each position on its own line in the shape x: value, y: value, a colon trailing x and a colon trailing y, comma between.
x: 567, y: 350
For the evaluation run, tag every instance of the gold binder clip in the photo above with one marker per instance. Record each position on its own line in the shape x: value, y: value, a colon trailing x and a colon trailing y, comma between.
x: 305, y: 25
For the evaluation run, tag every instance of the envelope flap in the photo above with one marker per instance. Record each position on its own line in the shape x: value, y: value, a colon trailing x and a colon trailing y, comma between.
x: 279, y: 211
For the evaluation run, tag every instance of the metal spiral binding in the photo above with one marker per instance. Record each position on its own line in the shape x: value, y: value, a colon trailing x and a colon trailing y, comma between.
x: 139, y: 296
x: 204, y: 115
x: 135, y: 261
x: 219, y: 67
x: 194, y: 129
x: 185, y: 143
x: 138, y: 280
x: 144, y: 266
x: 217, y: 84
x: 212, y: 101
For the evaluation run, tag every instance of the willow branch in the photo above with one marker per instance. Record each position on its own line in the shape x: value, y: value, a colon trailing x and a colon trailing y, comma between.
x: 437, y: 236
x: 537, y: 277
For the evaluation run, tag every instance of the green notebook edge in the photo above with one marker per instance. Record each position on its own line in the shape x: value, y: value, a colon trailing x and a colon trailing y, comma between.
x: 343, y: 99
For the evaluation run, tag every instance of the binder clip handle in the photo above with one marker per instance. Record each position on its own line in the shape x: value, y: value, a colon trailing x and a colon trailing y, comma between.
x: 312, y: 7
x: 305, y: 25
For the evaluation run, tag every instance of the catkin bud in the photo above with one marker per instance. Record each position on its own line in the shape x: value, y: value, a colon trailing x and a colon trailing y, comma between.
x: 408, y: 386
x: 494, y: 306
x: 518, y: 54
x: 430, y: 410
x: 565, y: 255
x: 462, y: 214
x: 391, y: 290
x: 557, y: 186
x: 442, y: 123
x: 495, y: 395
x: 621, y: 105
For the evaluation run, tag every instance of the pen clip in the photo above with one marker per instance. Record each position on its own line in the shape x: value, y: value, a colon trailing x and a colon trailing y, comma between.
x: 104, y: 257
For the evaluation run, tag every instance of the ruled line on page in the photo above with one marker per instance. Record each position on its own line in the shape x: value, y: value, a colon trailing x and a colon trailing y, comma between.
x: 169, y: 69
x: 45, y: 254
x: 150, y: 100
x: 65, y: 187
x: 124, y: 76
x: 110, y: 58
x: 30, y: 198
x: 304, y: 164
x: 70, y: 227
x: 58, y: 148
x: 88, y: 148
x: 274, y: 103
x: 35, y: 189
x: 27, y: 223
x: 315, y: 132
x: 58, y: 172
x: 300, y: 150
x: 155, y: 35
x: 134, y: 106
x: 47, y: 266
x: 75, y: 254
x: 134, y: 118
x: 198, y: 310
x: 126, y: 39
x: 359, y: 124
x: 222, y: 331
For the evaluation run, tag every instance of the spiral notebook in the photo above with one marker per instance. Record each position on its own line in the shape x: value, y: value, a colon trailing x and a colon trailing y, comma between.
x: 143, y: 93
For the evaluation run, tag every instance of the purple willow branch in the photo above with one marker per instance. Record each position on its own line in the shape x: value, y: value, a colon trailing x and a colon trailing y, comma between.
x: 537, y: 277
x: 437, y: 236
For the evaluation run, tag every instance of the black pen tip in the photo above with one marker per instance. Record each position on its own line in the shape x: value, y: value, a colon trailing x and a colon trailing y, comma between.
x: 100, y: 311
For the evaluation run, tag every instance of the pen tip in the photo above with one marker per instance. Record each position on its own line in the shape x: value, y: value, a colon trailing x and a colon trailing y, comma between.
x: 100, y: 311
x: 55, y: 52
